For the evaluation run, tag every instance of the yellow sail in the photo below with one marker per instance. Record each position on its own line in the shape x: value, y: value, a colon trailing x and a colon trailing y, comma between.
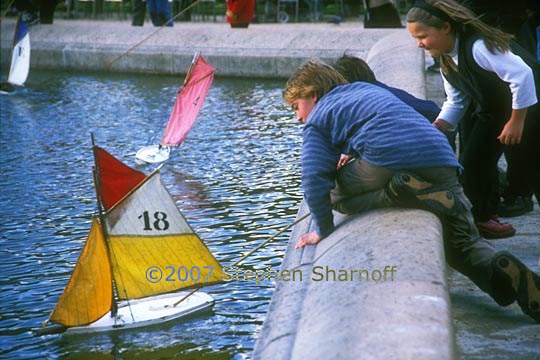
x: 153, y: 249
x: 88, y: 294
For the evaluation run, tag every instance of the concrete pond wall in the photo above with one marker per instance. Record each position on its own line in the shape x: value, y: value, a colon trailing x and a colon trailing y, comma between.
x: 262, y: 50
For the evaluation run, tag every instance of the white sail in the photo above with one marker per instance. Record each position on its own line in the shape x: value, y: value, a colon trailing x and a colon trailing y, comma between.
x: 20, y: 57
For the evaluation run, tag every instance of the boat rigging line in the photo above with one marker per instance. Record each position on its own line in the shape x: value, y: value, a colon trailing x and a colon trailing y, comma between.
x: 110, y: 63
x: 252, y: 251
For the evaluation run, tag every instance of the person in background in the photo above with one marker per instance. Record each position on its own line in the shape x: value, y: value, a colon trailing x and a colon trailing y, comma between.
x: 479, y: 69
x: 392, y: 167
x: 185, y: 9
x: 27, y: 11
x: 520, y: 18
x: 240, y: 12
x: 160, y: 12
x: 381, y: 14
x: 46, y: 10
x: 139, y: 12
x: 30, y: 8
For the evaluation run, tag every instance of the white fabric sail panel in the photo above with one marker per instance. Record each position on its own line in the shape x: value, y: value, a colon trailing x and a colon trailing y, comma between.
x: 20, y: 57
x: 148, y: 211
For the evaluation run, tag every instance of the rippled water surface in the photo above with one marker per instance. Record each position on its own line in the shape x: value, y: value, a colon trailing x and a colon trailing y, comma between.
x: 236, y: 178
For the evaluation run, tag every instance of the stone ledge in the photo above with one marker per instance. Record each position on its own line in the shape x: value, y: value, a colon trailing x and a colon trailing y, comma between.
x: 347, y: 318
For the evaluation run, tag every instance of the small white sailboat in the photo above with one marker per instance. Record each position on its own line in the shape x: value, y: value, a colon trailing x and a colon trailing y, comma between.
x: 188, y: 103
x: 20, y: 58
x: 139, y: 257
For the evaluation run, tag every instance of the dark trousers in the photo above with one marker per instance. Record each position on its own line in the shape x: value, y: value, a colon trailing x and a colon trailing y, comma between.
x: 139, y: 13
x: 46, y: 11
x: 384, y: 16
x: 160, y: 12
x: 186, y: 14
x: 480, y: 154
x: 362, y: 187
x: 523, y: 173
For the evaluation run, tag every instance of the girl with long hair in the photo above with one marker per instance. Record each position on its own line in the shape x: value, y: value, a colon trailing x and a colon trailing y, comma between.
x: 484, y: 68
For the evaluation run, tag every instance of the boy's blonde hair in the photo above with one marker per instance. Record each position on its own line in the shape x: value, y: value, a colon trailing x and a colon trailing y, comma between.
x: 463, y: 19
x: 314, y: 77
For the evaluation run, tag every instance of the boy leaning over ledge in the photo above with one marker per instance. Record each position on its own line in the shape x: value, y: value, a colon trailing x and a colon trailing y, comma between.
x: 400, y: 159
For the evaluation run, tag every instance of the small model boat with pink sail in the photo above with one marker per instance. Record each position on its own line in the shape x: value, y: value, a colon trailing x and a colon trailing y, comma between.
x: 188, y: 103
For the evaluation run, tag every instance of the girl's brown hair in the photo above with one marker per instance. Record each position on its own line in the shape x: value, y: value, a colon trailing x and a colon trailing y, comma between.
x: 463, y: 20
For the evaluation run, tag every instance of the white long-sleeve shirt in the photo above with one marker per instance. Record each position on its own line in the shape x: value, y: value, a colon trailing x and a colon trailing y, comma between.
x: 508, y: 66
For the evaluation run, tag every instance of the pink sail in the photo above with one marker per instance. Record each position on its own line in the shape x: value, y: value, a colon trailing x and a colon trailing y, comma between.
x: 188, y: 102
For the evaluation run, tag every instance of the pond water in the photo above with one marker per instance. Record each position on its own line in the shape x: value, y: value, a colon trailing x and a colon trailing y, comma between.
x: 236, y: 178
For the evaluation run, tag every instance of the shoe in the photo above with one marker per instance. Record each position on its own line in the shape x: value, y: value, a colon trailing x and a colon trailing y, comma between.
x: 409, y: 190
x: 516, y: 207
x: 524, y: 283
x: 494, y: 229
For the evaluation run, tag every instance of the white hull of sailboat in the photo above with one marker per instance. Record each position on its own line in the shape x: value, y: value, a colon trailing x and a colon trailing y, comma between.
x: 148, y: 311
x: 153, y: 154
x: 6, y: 88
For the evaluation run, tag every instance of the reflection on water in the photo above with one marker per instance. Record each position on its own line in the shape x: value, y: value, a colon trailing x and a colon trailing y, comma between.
x: 236, y: 178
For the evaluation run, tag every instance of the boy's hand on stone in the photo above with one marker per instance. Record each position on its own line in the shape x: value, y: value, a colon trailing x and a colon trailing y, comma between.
x: 311, y: 238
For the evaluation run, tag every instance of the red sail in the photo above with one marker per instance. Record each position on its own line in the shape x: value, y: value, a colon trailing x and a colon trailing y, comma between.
x: 116, y: 179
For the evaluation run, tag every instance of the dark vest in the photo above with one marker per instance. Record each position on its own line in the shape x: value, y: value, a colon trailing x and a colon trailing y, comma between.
x: 492, y: 99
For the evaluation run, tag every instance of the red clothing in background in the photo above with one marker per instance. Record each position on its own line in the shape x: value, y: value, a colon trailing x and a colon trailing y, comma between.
x: 240, y: 12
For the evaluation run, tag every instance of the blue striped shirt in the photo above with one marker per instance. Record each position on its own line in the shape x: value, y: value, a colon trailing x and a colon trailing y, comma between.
x: 366, y: 121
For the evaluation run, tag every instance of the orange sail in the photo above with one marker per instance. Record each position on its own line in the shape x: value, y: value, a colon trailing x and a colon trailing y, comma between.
x: 89, y: 294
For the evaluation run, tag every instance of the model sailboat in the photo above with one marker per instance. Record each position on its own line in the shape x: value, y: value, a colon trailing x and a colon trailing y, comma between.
x: 20, y: 58
x: 140, y: 253
x: 188, y: 103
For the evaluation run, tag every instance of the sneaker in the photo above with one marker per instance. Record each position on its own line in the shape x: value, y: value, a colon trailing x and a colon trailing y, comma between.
x: 410, y: 190
x: 494, y: 229
x: 516, y: 207
x: 525, y: 283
